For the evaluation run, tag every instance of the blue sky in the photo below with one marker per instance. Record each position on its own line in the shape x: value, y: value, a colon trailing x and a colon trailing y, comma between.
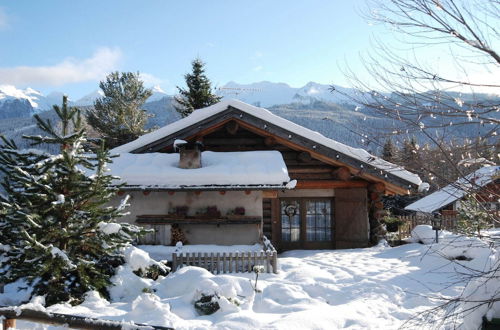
x: 67, y: 45
x: 70, y: 45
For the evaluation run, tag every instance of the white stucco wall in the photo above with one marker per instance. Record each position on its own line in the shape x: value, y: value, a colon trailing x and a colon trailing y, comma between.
x: 163, y: 202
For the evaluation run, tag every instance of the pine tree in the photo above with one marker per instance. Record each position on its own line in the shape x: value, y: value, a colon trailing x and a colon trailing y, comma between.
x: 389, y: 153
x: 55, y: 212
x: 473, y: 217
x: 409, y: 153
x: 118, y: 116
x: 199, y: 91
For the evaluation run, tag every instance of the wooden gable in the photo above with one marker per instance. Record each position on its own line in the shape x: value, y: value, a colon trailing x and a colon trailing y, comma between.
x: 312, y: 164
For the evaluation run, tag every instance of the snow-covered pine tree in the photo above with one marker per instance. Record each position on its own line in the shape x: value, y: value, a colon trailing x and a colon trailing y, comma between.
x: 199, y: 92
x: 57, y: 228
x: 473, y: 217
x: 389, y: 152
x: 118, y: 115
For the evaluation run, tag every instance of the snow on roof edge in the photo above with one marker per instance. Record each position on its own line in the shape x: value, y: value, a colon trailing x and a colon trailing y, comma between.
x: 452, y: 192
x: 266, y: 115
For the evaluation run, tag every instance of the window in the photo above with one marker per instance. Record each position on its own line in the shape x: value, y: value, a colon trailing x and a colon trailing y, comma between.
x: 306, y: 219
x: 290, y: 221
x: 318, y: 220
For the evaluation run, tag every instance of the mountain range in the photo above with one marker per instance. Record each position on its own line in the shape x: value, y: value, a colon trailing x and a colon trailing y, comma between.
x: 313, y: 105
x: 265, y: 94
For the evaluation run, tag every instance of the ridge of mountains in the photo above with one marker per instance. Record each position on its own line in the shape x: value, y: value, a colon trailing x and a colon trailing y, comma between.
x: 313, y: 106
x: 265, y: 94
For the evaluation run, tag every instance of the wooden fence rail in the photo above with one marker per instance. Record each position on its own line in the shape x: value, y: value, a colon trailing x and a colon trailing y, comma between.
x: 409, y: 222
x: 238, y: 262
x: 10, y: 314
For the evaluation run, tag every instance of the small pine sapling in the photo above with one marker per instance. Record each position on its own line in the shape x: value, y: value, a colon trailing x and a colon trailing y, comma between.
x: 53, y: 212
x: 257, y: 270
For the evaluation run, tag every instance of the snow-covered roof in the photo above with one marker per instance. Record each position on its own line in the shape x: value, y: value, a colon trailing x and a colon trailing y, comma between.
x: 249, y: 169
x: 202, y: 114
x: 454, y: 191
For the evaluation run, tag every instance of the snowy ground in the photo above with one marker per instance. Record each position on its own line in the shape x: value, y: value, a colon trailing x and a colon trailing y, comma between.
x: 373, y: 288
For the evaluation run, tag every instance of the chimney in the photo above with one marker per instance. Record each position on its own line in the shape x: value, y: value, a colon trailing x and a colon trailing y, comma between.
x: 189, y: 154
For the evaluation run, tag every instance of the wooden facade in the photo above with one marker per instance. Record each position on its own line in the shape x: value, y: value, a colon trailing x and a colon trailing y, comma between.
x: 336, y: 202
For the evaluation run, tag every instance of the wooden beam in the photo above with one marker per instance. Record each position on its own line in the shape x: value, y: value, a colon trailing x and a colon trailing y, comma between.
x: 329, y: 184
x: 71, y: 321
x: 168, y: 220
x: 233, y: 141
x: 304, y: 156
x: 270, y: 194
x: 282, y: 136
x: 391, y: 188
x: 309, y: 169
x: 342, y: 173
x: 378, y: 187
x: 232, y: 127
x: 269, y: 141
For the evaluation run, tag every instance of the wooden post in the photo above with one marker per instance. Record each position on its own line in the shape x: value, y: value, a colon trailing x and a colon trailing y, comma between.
x: 224, y: 269
x: 9, y: 324
x: 174, y: 262
x: 275, y: 262
x: 249, y: 257
x: 230, y: 262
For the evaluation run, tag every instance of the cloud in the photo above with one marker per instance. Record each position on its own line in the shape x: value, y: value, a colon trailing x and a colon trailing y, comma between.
x: 149, y: 79
x: 258, y: 68
x: 70, y: 70
x: 4, y: 22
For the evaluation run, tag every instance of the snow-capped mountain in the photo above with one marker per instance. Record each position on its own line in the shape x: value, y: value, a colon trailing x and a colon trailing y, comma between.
x: 264, y: 93
x: 158, y: 94
x: 268, y: 94
x: 11, y: 95
x: 327, y: 93
x: 89, y: 98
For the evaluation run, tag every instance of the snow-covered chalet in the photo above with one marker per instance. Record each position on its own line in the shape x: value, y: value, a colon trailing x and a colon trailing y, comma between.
x: 233, y: 173
x: 484, y: 183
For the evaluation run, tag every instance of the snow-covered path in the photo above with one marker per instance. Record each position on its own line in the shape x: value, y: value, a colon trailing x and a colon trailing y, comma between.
x: 373, y: 288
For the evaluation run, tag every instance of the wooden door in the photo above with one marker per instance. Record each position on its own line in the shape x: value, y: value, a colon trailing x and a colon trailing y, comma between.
x: 351, y: 218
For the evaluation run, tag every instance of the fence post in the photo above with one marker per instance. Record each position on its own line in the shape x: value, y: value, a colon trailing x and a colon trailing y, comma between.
x: 224, y: 269
x: 275, y: 262
x: 174, y: 262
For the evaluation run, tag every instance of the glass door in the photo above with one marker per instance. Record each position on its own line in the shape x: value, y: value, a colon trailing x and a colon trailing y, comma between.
x: 306, y: 223
x: 290, y: 224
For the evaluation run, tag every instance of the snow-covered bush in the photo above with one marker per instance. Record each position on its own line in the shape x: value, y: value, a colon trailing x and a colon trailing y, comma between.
x: 207, y: 304
x: 57, y: 229
x: 424, y: 234
x: 481, y: 296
